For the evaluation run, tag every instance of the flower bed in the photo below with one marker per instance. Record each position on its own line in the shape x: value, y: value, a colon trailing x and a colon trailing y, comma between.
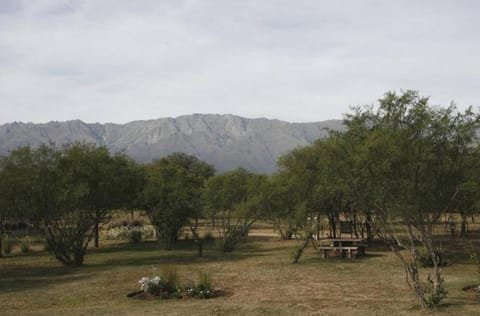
x: 166, y: 286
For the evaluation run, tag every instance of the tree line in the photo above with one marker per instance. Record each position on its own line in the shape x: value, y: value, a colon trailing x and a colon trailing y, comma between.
x: 399, y: 166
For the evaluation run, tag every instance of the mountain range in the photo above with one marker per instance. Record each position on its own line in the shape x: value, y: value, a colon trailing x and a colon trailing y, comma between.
x: 225, y: 141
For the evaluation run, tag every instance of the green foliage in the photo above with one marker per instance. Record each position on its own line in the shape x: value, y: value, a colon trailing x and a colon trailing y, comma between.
x: 234, y: 201
x: 164, y: 286
x: 204, y: 287
x: 167, y: 285
x: 425, y: 259
x: 402, y: 163
x: 65, y: 193
x: 169, y: 276
x: 434, y: 295
x: 172, y: 193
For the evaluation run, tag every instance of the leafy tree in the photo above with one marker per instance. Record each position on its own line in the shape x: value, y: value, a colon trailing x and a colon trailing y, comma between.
x: 14, y: 187
x: 280, y: 205
x: 415, y: 155
x: 172, y: 193
x: 64, y: 193
x: 318, y: 176
x: 235, y: 202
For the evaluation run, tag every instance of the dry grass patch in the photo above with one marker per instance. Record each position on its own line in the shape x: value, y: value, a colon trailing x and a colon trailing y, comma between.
x: 259, y: 274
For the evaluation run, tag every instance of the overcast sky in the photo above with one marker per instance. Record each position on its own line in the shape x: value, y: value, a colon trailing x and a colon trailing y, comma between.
x: 124, y: 60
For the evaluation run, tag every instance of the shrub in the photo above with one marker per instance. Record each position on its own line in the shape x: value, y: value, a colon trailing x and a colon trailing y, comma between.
x: 169, y: 276
x: 425, y: 260
x: 164, y: 285
x: 433, y: 299
x: 153, y: 286
x: 204, y: 287
x: 233, y: 235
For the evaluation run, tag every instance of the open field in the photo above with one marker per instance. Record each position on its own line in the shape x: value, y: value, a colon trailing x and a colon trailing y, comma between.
x: 259, y: 276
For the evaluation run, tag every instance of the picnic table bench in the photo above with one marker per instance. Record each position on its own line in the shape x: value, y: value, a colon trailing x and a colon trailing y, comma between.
x: 347, y: 247
x: 350, y: 252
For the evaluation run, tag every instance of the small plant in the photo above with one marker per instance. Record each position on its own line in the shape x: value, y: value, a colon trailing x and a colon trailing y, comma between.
x: 204, y: 286
x: 169, y: 276
x: 153, y: 286
x: 424, y: 258
x: 433, y: 299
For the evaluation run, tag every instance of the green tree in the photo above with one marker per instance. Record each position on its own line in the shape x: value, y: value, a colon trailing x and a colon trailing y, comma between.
x: 64, y: 193
x: 318, y: 175
x: 172, y: 193
x: 112, y: 182
x: 15, y: 184
x: 280, y: 205
x: 415, y: 155
x: 234, y: 201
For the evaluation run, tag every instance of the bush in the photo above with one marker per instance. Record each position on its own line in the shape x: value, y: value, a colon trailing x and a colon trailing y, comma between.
x: 153, y: 286
x: 433, y: 299
x: 204, y: 288
x: 164, y: 285
x: 425, y: 260
x: 169, y: 276
x: 232, y: 237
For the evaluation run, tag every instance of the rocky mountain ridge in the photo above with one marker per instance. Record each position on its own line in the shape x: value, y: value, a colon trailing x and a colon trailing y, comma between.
x: 226, y: 141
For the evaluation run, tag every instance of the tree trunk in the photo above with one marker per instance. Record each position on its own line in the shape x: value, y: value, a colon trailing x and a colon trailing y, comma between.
x: 1, y: 245
x: 355, y: 223
x: 333, y: 225
x: 96, y: 238
x: 196, y: 238
x: 463, y: 227
x: 368, y: 226
x: 171, y: 237
x: 318, y: 225
x: 300, y: 249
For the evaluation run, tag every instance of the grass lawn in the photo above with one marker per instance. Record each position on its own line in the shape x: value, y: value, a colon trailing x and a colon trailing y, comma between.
x: 259, y: 276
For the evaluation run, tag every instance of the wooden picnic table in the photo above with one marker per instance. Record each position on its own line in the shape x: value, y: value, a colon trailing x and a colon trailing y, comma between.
x: 347, y: 247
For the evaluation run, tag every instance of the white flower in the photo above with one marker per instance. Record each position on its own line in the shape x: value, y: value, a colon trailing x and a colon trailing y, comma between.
x: 144, y: 283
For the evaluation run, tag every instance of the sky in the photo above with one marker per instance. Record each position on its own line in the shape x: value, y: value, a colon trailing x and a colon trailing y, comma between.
x: 298, y: 61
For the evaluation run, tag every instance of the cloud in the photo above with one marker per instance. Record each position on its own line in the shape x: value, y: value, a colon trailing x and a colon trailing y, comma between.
x: 120, y: 60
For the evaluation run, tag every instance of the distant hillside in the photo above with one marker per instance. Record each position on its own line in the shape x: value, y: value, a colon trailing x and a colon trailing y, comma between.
x: 226, y: 141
